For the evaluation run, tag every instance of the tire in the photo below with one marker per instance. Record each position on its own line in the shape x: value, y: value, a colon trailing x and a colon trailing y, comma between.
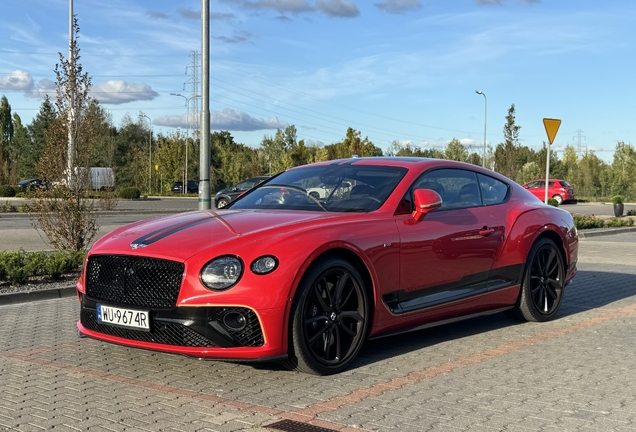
x: 222, y: 203
x: 314, y: 195
x: 543, y: 283
x: 329, y: 318
x: 559, y: 199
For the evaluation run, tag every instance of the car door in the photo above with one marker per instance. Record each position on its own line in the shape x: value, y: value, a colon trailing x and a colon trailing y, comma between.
x: 537, y: 189
x: 446, y: 257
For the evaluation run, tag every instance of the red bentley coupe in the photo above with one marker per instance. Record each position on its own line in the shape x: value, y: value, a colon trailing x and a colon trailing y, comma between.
x: 398, y: 244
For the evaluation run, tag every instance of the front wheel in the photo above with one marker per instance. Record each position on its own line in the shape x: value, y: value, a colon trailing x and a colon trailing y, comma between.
x: 221, y: 203
x: 543, y: 283
x: 329, y: 318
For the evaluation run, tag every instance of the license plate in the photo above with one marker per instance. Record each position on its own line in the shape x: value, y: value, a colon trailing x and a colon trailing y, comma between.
x: 123, y: 317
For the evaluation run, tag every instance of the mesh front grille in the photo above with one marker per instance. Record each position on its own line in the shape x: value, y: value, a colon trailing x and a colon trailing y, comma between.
x: 134, y: 281
x: 251, y: 334
x: 163, y: 332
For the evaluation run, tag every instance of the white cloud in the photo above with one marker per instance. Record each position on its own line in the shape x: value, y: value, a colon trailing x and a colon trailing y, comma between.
x: 118, y: 92
x: 282, y: 6
x: 331, y: 8
x: 42, y: 88
x: 337, y: 8
x: 399, y: 6
x: 227, y: 119
x: 16, y: 80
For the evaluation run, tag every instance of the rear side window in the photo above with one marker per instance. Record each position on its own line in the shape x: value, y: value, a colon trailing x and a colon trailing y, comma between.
x: 565, y: 184
x: 493, y: 191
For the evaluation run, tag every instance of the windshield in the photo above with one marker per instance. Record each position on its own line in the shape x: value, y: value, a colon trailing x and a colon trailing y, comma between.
x: 333, y: 188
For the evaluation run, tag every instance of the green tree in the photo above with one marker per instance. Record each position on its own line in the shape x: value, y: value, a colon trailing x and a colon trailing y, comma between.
x: 353, y: 144
x: 507, y: 153
x: 37, y: 131
x: 456, y: 151
x: 234, y: 161
x: 68, y: 214
x: 131, y: 153
x: 623, y: 170
x: 570, y: 163
x: 6, y: 135
x: 18, y: 152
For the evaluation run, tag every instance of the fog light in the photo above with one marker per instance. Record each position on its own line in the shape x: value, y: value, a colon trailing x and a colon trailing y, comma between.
x: 235, y: 321
x: 265, y: 264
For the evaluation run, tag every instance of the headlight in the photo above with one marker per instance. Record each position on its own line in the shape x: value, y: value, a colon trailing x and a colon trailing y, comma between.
x: 265, y: 264
x: 222, y: 272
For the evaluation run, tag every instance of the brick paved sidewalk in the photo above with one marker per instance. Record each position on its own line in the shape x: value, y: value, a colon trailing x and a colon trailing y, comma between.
x: 485, y: 374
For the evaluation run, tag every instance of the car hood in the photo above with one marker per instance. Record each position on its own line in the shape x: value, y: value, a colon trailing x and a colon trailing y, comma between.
x: 180, y: 236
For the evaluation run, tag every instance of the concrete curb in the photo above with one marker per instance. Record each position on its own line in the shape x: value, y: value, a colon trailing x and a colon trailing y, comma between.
x: 583, y: 234
x: 44, y: 294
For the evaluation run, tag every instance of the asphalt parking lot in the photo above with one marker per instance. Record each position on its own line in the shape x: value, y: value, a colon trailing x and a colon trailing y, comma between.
x: 485, y: 374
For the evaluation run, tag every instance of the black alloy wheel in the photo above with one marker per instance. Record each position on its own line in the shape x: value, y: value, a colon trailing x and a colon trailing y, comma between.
x: 543, y: 282
x: 329, y: 318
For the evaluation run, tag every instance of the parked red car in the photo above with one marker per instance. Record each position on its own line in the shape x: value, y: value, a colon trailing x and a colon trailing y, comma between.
x: 399, y: 244
x: 560, y: 190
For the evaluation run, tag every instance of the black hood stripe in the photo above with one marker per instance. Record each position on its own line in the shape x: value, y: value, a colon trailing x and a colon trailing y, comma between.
x: 164, y: 232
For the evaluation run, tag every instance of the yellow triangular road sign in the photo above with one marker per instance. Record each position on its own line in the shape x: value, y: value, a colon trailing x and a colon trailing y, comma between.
x: 551, y: 128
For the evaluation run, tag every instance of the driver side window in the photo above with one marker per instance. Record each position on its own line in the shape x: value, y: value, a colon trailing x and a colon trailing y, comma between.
x: 458, y: 189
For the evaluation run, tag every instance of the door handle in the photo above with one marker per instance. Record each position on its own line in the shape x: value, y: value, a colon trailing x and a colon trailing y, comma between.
x: 485, y: 231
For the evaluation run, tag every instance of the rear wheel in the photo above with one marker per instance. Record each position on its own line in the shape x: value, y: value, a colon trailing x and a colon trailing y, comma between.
x: 558, y: 198
x: 543, y: 283
x: 329, y: 318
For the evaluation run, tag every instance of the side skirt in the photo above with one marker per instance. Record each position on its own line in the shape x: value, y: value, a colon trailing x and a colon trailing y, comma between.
x: 442, y: 322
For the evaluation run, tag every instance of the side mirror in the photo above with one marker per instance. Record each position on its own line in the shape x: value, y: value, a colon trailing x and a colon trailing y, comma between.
x: 425, y: 200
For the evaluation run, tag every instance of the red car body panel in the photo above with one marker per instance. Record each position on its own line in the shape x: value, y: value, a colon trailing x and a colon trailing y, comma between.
x: 400, y: 257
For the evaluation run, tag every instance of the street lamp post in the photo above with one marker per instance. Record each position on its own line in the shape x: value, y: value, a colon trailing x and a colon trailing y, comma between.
x: 485, y: 119
x: 187, y: 99
x: 149, y: 152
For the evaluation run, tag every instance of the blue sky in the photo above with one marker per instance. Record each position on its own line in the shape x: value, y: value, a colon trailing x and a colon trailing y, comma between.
x: 404, y: 70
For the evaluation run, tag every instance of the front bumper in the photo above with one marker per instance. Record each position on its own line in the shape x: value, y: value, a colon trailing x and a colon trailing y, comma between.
x: 197, y: 331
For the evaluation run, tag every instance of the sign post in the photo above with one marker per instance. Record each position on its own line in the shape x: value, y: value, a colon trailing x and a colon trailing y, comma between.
x: 551, y: 128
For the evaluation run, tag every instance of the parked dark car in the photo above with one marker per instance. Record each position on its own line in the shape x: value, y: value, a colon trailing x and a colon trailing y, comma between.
x: 227, y: 195
x: 32, y: 184
x: 193, y: 187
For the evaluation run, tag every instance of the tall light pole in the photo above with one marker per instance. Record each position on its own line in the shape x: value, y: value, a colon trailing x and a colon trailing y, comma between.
x: 70, y: 152
x: 149, y: 152
x: 205, y: 200
x: 185, y: 182
x: 485, y: 119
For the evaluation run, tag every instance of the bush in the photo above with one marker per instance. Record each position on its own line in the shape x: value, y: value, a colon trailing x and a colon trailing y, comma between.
x: 17, y: 267
x: 7, y: 191
x: 56, y: 265
x: 129, y: 193
x: 587, y: 222
x: 17, y: 271
x: 619, y: 222
x: 6, y: 207
x: 36, y: 262
x: 553, y: 202
x: 631, y: 212
x: 617, y: 199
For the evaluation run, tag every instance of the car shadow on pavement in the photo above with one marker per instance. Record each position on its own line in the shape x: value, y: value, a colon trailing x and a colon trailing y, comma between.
x: 589, y: 290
